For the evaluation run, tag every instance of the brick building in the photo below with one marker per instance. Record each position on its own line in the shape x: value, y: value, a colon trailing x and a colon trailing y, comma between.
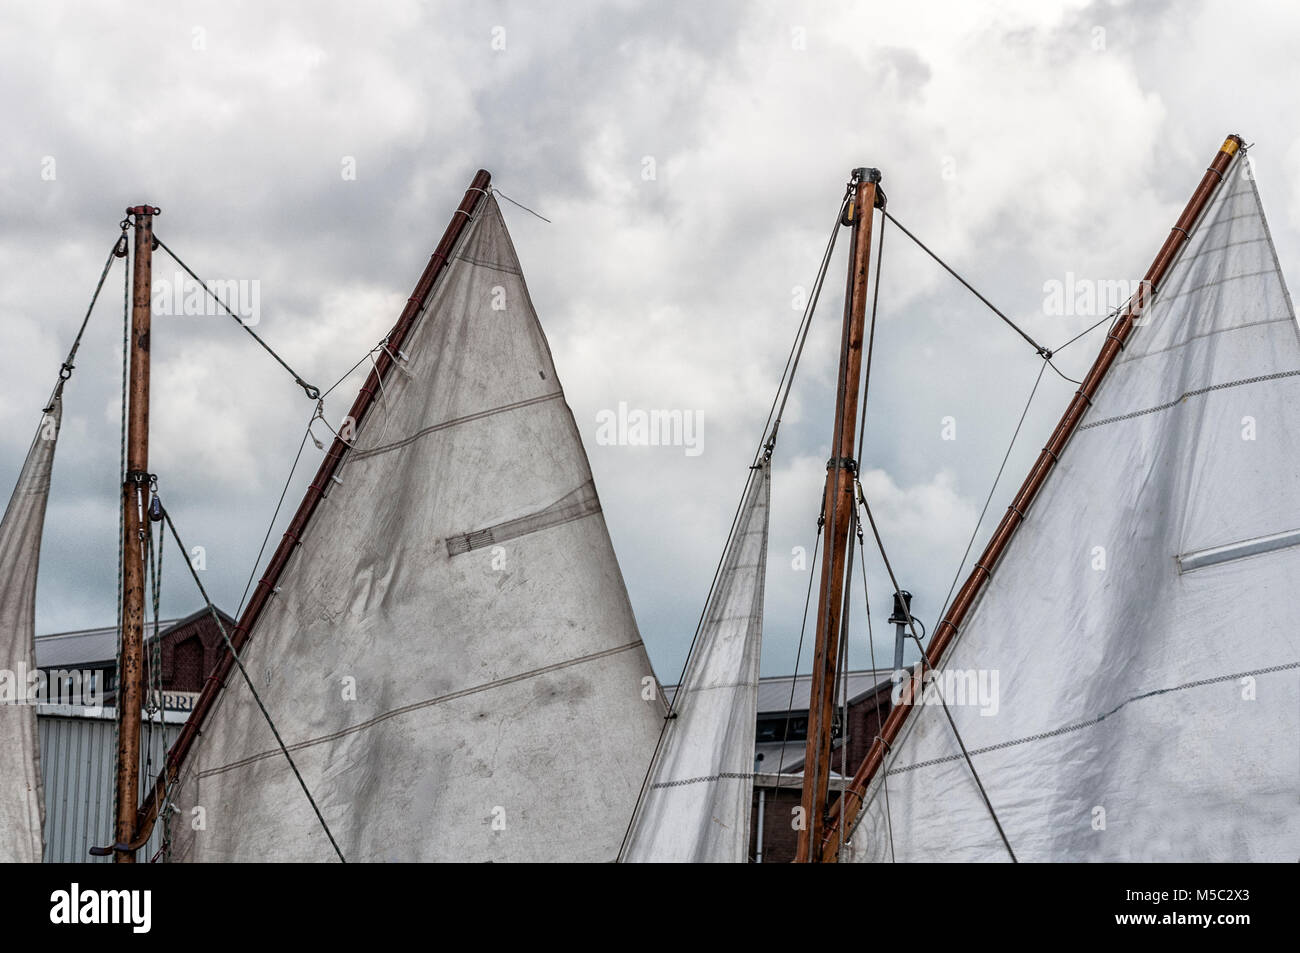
x: 772, y: 837
x: 190, y: 648
x: 78, y: 743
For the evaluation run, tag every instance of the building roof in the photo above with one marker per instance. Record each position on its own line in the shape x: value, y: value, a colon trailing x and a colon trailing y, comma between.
x: 774, y: 691
x: 95, y: 648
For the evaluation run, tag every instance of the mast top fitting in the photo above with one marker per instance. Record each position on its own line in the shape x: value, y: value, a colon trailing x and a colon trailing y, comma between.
x: 144, y: 210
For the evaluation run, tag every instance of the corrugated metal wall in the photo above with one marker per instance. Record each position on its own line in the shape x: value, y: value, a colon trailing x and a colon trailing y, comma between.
x: 77, y: 751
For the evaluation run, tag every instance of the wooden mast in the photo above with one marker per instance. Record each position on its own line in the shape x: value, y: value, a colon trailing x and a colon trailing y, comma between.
x: 135, y: 489
x: 839, y: 507
x: 845, y: 812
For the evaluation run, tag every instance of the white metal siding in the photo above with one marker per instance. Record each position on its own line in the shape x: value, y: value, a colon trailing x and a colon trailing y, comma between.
x: 77, y: 753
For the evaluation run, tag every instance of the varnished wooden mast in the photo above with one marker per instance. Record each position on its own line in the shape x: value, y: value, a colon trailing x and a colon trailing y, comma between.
x: 839, y: 508
x: 846, y: 811
x: 135, y: 490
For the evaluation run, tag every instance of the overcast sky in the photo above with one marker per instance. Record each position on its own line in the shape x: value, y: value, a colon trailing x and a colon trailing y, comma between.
x: 1022, y: 141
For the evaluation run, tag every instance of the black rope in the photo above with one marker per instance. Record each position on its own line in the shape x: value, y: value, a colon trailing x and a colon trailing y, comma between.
x: 312, y: 392
x: 212, y: 610
x: 1042, y: 351
x: 925, y: 662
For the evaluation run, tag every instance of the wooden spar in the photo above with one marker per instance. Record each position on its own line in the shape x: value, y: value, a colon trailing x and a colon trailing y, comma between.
x: 135, y: 489
x: 311, y: 500
x: 839, y: 508
x: 850, y: 805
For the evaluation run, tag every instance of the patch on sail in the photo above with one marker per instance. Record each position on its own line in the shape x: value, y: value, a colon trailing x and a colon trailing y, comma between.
x: 581, y: 502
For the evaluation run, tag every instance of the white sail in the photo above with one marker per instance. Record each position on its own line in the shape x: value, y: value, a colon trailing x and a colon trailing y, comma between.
x: 451, y: 655
x: 1141, y: 625
x: 22, y: 803
x: 697, y: 800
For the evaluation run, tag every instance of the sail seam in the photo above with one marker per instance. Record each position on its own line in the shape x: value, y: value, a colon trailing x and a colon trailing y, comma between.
x: 1202, y: 252
x: 1199, y: 392
x: 1067, y: 729
x: 427, y: 703
x: 1165, y: 299
x: 484, y: 263
x: 1137, y: 356
x: 721, y: 775
x: 455, y: 422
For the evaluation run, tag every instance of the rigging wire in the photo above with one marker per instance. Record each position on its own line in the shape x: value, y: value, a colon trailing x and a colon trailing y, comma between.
x: 880, y: 713
x: 118, y: 250
x: 924, y: 663
x: 212, y: 610
x: 1042, y: 351
x: 798, y: 653
x: 801, y: 336
x: 121, y: 510
x: 317, y: 413
x: 312, y: 392
x: 989, y: 499
x: 861, y: 499
x: 497, y: 191
x: 276, y: 515
x: 1114, y: 315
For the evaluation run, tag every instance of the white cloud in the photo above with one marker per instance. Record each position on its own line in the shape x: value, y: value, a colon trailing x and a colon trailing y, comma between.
x: 1008, y: 141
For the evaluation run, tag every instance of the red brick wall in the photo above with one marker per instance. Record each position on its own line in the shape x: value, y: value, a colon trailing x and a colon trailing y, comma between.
x: 189, y: 653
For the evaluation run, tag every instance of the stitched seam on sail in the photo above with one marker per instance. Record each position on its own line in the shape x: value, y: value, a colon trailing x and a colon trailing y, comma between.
x: 1202, y: 252
x: 1213, y: 284
x: 1067, y: 729
x: 482, y: 262
x: 1201, y: 391
x: 729, y: 775
x: 1136, y: 356
x: 446, y: 424
x: 415, y: 706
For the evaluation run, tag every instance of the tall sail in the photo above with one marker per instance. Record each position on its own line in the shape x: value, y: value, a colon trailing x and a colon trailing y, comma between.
x: 451, y: 655
x: 697, y: 800
x: 1141, y: 625
x: 22, y: 803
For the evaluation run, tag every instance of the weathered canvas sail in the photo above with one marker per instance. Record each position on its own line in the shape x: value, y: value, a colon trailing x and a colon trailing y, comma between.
x: 451, y: 656
x: 1142, y: 622
x: 696, y: 804
x: 22, y: 803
